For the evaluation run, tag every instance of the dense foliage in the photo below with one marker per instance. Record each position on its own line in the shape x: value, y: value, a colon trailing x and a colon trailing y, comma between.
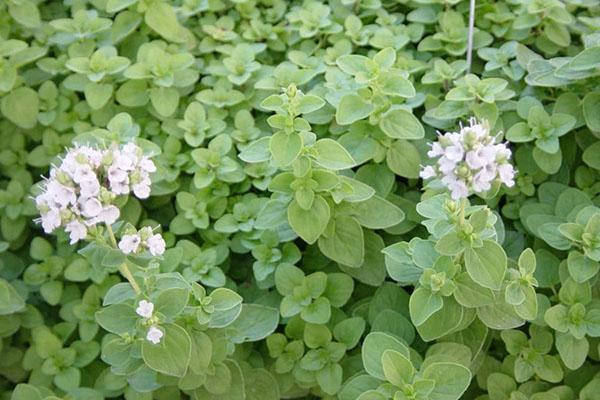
x: 303, y: 255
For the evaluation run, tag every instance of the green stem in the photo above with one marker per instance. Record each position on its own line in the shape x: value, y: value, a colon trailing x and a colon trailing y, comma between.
x: 461, y: 220
x: 111, y: 235
x: 129, y: 276
x: 123, y: 268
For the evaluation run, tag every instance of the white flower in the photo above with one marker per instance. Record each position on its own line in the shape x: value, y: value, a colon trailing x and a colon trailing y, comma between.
x: 145, y: 238
x: 147, y: 165
x: 91, y: 207
x: 507, y: 174
x: 108, y: 215
x: 76, y: 230
x: 154, y: 335
x: 436, y: 150
x: 50, y: 220
x: 145, y: 309
x: 469, y: 161
x: 129, y: 243
x: 60, y: 194
x: 454, y: 153
x: 156, y: 245
x: 427, y: 172
x: 141, y: 190
x: 116, y: 174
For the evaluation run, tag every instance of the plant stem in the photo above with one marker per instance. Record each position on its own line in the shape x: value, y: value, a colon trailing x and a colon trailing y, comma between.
x: 461, y: 220
x: 111, y: 235
x: 123, y: 268
x: 471, y: 33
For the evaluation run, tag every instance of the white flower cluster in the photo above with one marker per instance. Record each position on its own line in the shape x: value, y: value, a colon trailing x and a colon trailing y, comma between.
x: 469, y: 161
x: 141, y: 240
x: 80, y: 192
x: 145, y: 309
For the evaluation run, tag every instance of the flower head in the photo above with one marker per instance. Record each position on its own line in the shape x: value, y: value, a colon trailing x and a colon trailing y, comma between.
x: 469, y: 161
x: 154, y: 335
x: 145, y: 309
x: 80, y: 192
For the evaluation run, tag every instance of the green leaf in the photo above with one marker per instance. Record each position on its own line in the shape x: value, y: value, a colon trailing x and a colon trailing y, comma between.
x: 260, y: 385
x: 24, y: 391
x: 486, y: 265
x: 344, y: 242
x: 444, y: 321
x: 519, y: 133
x: 25, y: 13
x: 117, y: 318
x: 377, y: 213
x: 397, y: 368
x: 573, y: 352
x: 396, y: 85
x: 309, y: 224
x: 451, y: 380
x: 225, y: 299
x: 10, y: 300
x: 349, y: 331
x: 401, y: 124
x: 374, y: 346
x: 52, y: 292
x: 423, y: 303
x: 404, y: 159
x: 98, y: 94
x: 470, y: 294
x: 161, y: 18
x: 309, y: 103
x: 330, y: 378
x: 352, y: 108
x: 591, y: 103
x: 257, y: 151
x: 164, y: 100
x: 172, y: 301
x: 591, y: 155
x: 21, y: 107
x: 285, y: 148
x: 338, y: 289
x: 68, y: 379
x: 587, y: 59
x: 317, y: 312
x: 255, y: 322
x: 172, y: 355
x: 581, y: 268
x: 332, y: 155
x: 549, y: 163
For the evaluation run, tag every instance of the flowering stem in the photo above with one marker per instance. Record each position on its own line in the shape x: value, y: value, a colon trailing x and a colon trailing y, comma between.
x: 123, y: 268
x: 461, y: 220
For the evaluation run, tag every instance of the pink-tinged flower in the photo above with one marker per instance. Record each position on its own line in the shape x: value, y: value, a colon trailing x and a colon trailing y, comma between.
x: 469, y: 161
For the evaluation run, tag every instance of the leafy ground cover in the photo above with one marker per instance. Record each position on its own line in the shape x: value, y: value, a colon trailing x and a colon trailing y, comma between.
x: 267, y: 199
